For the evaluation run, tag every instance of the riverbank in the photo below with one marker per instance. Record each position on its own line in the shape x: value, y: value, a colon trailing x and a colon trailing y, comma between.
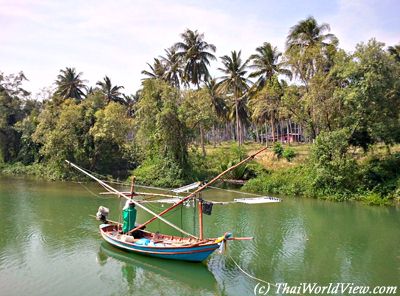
x: 374, y: 177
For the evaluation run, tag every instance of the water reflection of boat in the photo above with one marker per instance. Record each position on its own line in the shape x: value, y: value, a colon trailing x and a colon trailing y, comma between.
x: 138, y: 265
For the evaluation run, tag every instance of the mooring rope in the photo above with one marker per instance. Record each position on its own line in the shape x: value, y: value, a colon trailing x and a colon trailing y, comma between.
x: 249, y: 275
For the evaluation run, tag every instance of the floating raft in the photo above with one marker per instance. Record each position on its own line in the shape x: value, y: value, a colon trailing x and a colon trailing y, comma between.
x: 187, y: 188
x: 247, y: 200
x: 257, y: 200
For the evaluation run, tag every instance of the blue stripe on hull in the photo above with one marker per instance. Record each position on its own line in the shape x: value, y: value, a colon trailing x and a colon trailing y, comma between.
x: 195, y: 254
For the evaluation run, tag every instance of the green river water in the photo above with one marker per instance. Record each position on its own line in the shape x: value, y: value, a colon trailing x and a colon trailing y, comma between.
x: 49, y: 245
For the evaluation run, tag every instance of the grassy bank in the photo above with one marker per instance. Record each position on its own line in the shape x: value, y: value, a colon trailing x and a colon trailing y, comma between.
x: 373, y: 177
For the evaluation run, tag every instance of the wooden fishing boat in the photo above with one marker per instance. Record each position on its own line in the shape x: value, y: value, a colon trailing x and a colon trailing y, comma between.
x: 161, y: 246
x: 189, y: 248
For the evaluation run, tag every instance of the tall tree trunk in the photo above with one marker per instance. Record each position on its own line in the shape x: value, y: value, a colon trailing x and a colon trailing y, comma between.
x: 266, y: 134
x: 257, y: 138
x: 214, y: 137
x: 203, y: 149
x: 273, y: 127
x: 237, y: 121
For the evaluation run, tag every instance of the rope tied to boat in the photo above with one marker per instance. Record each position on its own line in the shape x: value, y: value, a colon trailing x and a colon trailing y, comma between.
x: 251, y: 276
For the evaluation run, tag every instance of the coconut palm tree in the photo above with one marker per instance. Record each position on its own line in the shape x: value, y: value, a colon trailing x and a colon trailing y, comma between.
x: 157, y: 70
x: 173, y: 67
x: 130, y: 101
x: 265, y: 64
x: 266, y: 103
x: 309, y: 49
x: 235, y: 84
x: 110, y: 92
x: 308, y: 33
x: 70, y: 84
x: 219, y: 104
x: 196, y: 55
x: 395, y: 51
x: 217, y: 99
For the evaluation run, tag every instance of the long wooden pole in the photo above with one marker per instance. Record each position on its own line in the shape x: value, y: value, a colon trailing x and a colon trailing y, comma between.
x: 134, y: 201
x: 200, y: 189
x: 200, y: 205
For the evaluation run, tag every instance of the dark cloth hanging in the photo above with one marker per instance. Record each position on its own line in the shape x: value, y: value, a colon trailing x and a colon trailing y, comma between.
x: 207, y: 207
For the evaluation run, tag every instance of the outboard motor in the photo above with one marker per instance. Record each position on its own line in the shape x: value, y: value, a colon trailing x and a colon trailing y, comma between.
x: 102, y: 214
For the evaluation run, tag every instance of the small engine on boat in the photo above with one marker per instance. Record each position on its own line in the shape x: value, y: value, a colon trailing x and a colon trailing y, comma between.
x: 102, y: 214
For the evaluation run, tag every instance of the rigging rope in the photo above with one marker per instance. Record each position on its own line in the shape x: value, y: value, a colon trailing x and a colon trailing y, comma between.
x: 234, y: 191
x: 91, y: 192
x: 107, y: 179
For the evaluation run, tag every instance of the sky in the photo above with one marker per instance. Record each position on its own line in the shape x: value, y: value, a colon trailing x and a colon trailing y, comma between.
x: 117, y: 38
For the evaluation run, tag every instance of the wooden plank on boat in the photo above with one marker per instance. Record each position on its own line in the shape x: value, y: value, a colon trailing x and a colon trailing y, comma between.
x: 257, y: 200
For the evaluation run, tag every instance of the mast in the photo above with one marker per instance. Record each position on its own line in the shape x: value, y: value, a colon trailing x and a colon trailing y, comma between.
x: 200, y: 205
x: 132, y: 200
x: 199, y: 189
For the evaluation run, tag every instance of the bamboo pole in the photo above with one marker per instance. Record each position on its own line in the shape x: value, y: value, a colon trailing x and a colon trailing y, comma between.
x: 200, y: 189
x: 134, y: 201
x: 200, y: 205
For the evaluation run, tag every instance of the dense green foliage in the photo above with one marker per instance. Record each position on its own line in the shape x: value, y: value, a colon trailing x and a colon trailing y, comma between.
x: 161, y: 135
x: 341, y: 102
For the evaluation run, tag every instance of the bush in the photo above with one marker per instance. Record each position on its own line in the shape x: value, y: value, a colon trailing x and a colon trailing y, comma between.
x: 289, y: 154
x: 334, y: 168
x: 160, y: 172
x: 292, y: 181
x: 375, y: 199
x: 278, y: 150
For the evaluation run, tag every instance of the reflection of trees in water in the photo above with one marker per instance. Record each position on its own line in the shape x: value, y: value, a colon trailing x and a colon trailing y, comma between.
x: 152, y: 276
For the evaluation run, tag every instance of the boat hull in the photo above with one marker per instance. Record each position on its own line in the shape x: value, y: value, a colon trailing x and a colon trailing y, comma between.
x: 185, y: 253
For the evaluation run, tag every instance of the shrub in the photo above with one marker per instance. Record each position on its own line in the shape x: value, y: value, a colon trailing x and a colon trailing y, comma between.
x: 278, y: 150
x: 289, y: 154
x: 334, y: 168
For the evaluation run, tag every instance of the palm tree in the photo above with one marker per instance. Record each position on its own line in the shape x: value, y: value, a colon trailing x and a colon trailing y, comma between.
x: 308, y: 33
x: 309, y: 50
x: 266, y: 64
x: 130, y: 101
x: 395, y: 51
x: 173, y: 70
x: 69, y: 84
x: 235, y: 84
x: 157, y: 70
x: 266, y: 103
x: 89, y: 91
x: 217, y: 99
x: 111, y: 93
x: 196, y: 55
x: 219, y: 104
